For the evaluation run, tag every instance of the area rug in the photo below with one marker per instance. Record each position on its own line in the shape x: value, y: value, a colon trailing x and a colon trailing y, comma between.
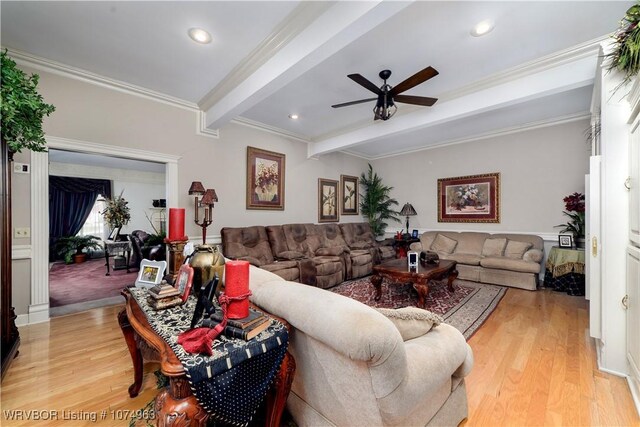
x: 79, y: 283
x: 466, y: 308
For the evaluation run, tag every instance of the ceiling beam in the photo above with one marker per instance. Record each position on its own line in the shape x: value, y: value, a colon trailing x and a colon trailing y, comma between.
x: 309, y: 43
x: 549, y: 81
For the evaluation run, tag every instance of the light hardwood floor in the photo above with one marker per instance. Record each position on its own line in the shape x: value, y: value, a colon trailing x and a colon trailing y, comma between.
x: 534, y: 365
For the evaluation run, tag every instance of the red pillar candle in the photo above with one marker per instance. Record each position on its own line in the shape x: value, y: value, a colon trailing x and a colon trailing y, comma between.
x: 176, y: 224
x: 236, y: 283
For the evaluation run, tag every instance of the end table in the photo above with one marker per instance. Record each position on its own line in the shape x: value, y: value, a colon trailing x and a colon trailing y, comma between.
x: 564, y: 270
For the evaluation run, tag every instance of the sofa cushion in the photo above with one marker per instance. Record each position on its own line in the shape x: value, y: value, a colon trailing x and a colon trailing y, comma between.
x: 494, y: 247
x: 443, y: 244
x: 279, y: 265
x: 332, y: 251
x: 411, y: 322
x: 516, y: 249
x: 504, y: 263
x: 533, y: 255
x: 461, y: 258
x: 290, y: 255
x: 252, y: 260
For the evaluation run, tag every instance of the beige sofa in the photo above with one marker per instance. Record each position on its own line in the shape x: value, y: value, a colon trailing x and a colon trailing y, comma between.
x: 353, y: 367
x: 501, y: 259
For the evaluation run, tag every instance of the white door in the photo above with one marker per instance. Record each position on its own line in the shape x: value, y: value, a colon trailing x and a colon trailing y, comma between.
x: 592, y: 250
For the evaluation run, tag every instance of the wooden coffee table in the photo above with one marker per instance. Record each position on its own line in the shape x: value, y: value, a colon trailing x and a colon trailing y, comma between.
x: 397, y: 271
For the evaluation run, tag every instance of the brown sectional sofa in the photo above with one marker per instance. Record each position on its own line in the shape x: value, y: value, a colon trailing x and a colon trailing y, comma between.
x: 321, y: 255
x: 501, y: 259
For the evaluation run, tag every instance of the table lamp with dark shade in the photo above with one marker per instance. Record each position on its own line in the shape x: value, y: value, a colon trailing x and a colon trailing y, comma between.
x: 407, y: 211
x: 209, y: 197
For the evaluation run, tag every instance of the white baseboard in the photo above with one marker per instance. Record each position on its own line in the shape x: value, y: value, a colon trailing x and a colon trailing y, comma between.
x: 22, y: 320
x: 634, y: 386
x: 38, y: 313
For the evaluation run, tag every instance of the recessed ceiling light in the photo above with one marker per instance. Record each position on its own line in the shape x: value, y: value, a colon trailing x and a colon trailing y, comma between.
x: 482, y: 28
x: 199, y: 35
x: 293, y: 116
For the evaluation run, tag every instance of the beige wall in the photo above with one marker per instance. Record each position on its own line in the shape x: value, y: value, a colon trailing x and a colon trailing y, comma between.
x: 538, y: 168
x: 91, y: 113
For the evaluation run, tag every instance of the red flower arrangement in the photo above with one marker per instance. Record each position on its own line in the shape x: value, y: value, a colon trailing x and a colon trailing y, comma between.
x: 574, y: 209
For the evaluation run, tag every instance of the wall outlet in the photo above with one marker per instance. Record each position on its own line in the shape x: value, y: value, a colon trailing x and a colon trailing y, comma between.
x: 20, y: 168
x: 21, y: 232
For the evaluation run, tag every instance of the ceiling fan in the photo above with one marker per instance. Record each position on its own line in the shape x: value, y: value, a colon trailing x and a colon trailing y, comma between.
x: 388, y: 95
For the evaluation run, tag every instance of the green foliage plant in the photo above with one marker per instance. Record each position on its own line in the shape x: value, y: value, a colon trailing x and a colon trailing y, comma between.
x: 625, y: 56
x: 75, y: 245
x: 23, y: 108
x: 376, y: 205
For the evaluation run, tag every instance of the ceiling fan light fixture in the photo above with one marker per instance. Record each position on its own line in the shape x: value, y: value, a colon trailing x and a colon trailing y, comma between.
x: 199, y: 35
x: 482, y: 28
x: 384, y: 112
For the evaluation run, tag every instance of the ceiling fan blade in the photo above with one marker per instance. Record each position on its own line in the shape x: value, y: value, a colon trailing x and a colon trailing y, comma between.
x: 365, y: 83
x: 346, y: 104
x: 415, y: 80
x: 416, y: 100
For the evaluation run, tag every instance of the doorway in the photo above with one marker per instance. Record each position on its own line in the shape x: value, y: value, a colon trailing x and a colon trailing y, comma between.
x: 38, y: 310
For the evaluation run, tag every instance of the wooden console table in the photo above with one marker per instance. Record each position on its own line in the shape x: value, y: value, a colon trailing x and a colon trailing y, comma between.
x: 176, y: 404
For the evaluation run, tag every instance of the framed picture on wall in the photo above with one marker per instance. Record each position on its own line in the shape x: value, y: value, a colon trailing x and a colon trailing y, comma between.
x: 349, y: 199
x: 327, y: 200
x: 472, y: 198
x: 265, y: 179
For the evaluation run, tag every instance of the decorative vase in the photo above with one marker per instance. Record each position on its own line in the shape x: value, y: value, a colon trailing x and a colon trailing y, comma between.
x: 580, y: 242
x: 206, y: 261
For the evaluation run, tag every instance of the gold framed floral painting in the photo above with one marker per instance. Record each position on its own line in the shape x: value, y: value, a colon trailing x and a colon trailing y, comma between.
x: 327, y: 200
x: 472, y: 198
x: 349, y: 195
x: 265, y: 179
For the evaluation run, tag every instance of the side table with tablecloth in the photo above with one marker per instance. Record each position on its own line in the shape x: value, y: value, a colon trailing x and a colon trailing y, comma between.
x: 113, y: 246
x: 564, y: 270
x: 227, y: 386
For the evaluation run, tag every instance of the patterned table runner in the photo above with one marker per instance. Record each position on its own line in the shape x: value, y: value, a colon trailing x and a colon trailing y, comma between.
x: 231, y: 384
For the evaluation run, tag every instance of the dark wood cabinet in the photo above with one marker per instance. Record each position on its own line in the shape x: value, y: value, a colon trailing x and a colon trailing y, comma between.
x: 10, y: 339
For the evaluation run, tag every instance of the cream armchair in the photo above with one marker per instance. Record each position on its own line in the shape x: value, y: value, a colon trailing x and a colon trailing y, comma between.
x: 353, y: 368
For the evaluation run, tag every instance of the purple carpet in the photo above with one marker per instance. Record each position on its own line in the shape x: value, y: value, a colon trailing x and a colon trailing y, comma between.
x: 466, y: 308
x: 74, y: 283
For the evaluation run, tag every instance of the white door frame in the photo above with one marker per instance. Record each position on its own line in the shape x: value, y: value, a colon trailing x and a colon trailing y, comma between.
x: 39, y: 300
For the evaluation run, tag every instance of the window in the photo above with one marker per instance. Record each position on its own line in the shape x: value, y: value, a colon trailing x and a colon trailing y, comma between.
x: 94, y: 225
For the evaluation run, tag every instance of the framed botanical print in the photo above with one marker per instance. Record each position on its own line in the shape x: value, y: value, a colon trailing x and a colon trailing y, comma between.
x: 349, y: 201
x: 472, y: 198
x: 327, y: 200
x: 265, y: 179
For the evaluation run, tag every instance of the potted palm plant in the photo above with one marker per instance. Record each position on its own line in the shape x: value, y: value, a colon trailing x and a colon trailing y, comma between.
x: 73, y: 247
x: 377, y: 204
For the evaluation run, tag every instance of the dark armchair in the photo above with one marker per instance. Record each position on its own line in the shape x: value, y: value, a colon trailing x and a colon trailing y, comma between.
x: 142, y: 249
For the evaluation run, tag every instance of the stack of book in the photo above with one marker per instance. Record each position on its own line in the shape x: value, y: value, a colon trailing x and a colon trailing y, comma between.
x: 244, y: 329
x: 163, y: 296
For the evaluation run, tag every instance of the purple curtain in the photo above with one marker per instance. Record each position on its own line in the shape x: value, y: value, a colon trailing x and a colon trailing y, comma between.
x: 70, y: 202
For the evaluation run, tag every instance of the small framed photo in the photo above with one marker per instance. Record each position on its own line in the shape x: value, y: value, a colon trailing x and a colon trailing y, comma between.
x: 151, y: 273
x: 414, y: 234
x: 565, y: 241
x: 184, y: 281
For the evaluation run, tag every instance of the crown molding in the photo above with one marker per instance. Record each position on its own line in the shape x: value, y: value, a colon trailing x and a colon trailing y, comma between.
x: 271, y: 129
x: 565, y: 56
x: 53, y: 67
x: 109, y: 150
x: 287, y: 30
x: 202, y: 129
x: 492, y: 134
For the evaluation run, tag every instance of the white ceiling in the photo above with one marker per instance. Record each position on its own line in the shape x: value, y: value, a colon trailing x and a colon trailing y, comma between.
x: 270, y: 59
